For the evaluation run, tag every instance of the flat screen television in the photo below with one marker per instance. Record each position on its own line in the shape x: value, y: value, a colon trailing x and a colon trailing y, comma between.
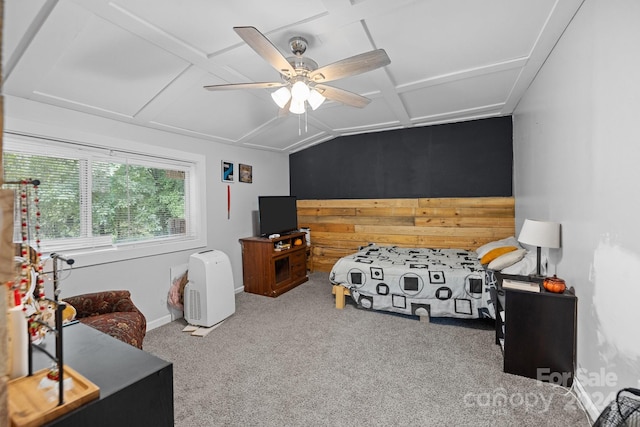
x: 277, y: 214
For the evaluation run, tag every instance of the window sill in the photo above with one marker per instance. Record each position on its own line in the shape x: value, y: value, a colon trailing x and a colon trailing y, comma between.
x: 90, y: 257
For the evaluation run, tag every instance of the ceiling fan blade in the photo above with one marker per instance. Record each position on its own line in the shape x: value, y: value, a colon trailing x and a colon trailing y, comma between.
x: 343, y: 96
x: 234, y: 86
x: 357, y: 64
x: 258, y: 42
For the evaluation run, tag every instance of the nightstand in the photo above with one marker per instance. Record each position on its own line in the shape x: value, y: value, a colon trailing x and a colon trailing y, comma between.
x: 537, y: 332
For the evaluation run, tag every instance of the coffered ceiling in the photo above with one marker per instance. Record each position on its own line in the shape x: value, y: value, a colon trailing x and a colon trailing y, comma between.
x: 146, y: 61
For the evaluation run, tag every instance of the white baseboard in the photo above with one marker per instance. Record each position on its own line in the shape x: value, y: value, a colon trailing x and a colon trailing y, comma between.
x: 159, y: 322
x: 171, y: 317
x: 592, y: 411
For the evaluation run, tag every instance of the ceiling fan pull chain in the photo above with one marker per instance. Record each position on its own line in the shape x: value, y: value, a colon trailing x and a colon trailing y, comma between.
x: 299, y: 125
x: 305, y: 121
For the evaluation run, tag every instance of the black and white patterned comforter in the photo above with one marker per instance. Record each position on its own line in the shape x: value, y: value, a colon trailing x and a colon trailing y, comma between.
x: 416, y: 281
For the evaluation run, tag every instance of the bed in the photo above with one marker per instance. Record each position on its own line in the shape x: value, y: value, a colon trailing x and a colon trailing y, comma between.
x: 415, y: 281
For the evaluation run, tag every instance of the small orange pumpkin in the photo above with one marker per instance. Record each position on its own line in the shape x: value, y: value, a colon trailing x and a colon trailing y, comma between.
x: 297, y: 242
x: 554, y: 284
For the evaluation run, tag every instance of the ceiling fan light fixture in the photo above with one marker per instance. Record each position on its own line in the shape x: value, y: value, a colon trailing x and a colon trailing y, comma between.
x: 281, y: 96
x: 297, y: 106
x: 315, y: 99
x: 300, y: 91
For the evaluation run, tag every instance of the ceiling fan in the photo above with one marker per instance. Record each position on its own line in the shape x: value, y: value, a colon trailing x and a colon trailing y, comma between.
x: 302, y: 80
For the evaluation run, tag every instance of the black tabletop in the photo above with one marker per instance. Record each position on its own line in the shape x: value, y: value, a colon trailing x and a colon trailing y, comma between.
x: 105, y: 361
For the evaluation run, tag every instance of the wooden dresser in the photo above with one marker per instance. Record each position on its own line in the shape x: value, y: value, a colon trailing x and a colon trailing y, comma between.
x: 271, y: 267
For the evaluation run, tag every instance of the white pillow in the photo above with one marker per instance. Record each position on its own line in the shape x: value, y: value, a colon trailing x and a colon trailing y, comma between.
x: 506, y: 260
x: 509, y: 241
x: 527, y: 265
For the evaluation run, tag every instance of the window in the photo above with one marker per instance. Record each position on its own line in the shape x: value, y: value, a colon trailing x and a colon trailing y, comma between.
x: 94, y: 198
x: 132, y: 202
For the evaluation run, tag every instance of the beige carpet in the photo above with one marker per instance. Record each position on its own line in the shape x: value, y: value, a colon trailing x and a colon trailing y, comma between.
x: 297, y: 361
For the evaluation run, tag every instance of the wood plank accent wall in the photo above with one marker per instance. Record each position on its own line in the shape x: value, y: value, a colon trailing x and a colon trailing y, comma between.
x: 339, y: 227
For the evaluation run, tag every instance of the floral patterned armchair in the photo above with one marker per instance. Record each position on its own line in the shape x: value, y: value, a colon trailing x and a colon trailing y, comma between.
x: 111, y: 312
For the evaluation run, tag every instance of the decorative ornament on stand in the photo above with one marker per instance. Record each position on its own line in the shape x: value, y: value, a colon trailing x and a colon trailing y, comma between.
x: 41, y: 314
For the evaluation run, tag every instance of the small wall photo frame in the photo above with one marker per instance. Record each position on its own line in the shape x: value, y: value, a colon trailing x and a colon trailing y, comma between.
x: 246, y: 173
x: 227, y: 171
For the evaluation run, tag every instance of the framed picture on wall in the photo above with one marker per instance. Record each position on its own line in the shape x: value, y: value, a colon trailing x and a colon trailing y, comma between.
x: 227, y: 171
x: 246, y: 173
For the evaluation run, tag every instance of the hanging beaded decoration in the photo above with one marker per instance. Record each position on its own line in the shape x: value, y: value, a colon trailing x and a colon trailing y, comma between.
x: 24, y: 250
x: 31, y: 288
x: 40, y: 265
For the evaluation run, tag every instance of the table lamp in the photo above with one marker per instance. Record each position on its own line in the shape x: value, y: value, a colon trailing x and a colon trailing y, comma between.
x: 540, y: 234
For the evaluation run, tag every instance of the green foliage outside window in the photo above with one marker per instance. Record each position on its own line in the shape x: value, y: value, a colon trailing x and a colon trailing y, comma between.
x: 134, y: 202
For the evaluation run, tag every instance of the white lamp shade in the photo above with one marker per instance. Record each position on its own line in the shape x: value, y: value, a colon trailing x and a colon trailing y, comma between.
x: 315, y: 99
x: 281, y: 96
x: 297, y: 106
x: 300, y: 91
x: 544, y: 234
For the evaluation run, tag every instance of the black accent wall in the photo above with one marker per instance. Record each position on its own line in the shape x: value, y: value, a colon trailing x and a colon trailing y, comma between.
x: 466, y: 159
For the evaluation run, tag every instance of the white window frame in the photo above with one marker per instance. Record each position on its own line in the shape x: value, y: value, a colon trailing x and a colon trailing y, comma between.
x: 100, y: 250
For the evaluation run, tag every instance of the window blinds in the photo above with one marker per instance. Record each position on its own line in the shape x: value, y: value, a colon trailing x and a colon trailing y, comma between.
x: 90, y: 196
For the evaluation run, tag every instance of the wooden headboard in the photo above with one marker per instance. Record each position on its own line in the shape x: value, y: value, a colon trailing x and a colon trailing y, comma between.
x: 340, y: 227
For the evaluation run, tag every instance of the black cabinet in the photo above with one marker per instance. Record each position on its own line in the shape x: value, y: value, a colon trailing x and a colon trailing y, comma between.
x: 136, y: 388
x: 537, y: 331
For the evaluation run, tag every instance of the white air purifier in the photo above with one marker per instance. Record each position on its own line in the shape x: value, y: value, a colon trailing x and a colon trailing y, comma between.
x: 209, y: 296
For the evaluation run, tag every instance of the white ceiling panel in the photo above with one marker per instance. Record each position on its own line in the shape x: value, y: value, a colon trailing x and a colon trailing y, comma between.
x: 458, y: 35
x: 104, y: 63
x: 210, y: 113
x: 145, y: 61
x: 285, y: 134
x: 347, y: 120
x: 198, y: 22
x: 460, y: 95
